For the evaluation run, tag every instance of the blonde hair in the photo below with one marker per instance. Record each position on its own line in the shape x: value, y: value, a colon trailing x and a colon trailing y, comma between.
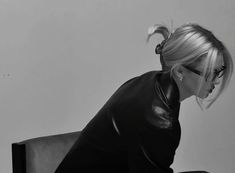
x: 189, y: 44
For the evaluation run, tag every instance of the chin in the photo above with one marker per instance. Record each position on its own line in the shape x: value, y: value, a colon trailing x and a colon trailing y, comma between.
x: 207, y: 94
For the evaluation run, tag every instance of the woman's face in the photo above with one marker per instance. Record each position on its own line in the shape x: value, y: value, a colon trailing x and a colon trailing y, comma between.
x: 192, y: 81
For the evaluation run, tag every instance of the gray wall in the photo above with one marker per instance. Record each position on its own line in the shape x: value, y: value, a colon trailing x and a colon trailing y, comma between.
x: 62, y: 59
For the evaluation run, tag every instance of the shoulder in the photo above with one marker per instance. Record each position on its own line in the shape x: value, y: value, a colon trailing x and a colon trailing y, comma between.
x: 142, y: 100
x: 143, y: 80
x: 137, y: 92
x: 144, y: 83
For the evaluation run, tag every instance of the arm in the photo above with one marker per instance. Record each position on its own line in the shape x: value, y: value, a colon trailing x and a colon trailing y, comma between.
x: 151, y: 145
x: 139, y: 162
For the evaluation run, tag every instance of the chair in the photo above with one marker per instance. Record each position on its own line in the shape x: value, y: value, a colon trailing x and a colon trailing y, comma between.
x: 42, y: 154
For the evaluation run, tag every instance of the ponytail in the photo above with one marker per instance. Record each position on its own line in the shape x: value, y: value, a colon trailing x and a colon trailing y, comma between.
x: 161, y: 29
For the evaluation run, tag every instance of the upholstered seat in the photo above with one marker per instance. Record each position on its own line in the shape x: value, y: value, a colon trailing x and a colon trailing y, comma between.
x: 42, y: 154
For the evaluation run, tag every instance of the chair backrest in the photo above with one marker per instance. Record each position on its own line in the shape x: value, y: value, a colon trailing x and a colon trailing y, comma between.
x: 42, y: 154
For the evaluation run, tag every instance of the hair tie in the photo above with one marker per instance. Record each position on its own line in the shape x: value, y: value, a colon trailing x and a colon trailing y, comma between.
x: 159, y: 47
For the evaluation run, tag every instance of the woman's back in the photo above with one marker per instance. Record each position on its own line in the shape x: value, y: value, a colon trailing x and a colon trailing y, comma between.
x: 136, y: 130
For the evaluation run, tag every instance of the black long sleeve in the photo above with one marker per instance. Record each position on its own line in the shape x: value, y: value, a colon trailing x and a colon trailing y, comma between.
x: 136, y: 131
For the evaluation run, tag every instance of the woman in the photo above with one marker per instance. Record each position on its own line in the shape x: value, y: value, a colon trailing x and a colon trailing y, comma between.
x: 137, y: 130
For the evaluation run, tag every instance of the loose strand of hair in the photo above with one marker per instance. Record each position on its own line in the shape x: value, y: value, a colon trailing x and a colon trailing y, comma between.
x: 158, y: 28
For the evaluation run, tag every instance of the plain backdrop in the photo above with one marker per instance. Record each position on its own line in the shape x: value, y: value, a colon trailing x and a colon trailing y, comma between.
x: 60, y: 60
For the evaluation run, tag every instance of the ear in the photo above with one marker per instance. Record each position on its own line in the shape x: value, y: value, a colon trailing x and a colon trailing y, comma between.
x: 179, y: 71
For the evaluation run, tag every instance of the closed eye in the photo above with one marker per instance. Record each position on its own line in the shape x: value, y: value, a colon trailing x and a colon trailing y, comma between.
x: 217, y: 71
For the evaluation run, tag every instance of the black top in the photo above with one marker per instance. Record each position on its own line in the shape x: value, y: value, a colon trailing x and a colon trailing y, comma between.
x: 136, y: 131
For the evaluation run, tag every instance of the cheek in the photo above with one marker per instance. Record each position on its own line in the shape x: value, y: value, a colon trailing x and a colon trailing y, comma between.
x: 194, y: 86
x: 191, y: 85
x: 204, y: 90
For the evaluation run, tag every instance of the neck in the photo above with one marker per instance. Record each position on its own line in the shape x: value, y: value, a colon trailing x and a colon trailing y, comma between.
x: 183, y: 92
